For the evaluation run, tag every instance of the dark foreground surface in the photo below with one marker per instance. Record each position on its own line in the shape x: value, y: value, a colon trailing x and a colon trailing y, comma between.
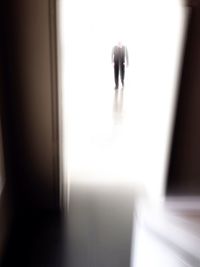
x: 96, y: 230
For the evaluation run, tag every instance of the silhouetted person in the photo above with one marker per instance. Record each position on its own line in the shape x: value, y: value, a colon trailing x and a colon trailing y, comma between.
x: 119, y: 58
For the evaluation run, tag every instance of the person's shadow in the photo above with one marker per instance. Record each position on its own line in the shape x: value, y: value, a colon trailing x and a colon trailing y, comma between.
x: 118, y: 106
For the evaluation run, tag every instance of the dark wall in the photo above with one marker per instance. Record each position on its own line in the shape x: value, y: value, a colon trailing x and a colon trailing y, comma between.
x: 184, y: 167
x: 29, y: 102
x: 6, y: 215
x: 5, y: 203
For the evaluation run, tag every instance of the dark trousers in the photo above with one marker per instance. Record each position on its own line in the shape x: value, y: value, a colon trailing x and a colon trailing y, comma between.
x: 119, y: 67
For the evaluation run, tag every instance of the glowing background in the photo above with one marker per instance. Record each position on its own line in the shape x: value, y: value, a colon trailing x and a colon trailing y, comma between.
x: 131, y: 146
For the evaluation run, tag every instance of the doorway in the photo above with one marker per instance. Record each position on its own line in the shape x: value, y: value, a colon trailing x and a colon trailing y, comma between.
x: 119, y: 137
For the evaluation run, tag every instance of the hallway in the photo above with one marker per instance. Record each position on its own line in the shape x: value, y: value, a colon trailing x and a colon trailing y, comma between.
x: 109, y: 138
x: 65, y: 129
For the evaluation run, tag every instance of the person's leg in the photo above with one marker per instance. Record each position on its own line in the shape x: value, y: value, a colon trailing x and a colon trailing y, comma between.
x: 116, y: 73
x: 122, y: 73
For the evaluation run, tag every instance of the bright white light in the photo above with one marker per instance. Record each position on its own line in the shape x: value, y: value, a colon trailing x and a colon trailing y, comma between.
x: 134, y: 150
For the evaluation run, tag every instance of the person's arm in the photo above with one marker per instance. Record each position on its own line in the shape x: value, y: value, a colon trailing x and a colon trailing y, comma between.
x: 112, y: 56
x: 126, y: 54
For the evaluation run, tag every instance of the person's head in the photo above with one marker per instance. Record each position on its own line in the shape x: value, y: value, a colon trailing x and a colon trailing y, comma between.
x: 120, y: 43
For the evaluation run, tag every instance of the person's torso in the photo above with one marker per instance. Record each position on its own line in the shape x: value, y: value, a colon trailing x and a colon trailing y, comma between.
x: 119, y: 54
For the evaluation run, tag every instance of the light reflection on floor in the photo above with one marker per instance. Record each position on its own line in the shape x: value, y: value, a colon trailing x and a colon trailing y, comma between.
x: 109, y: 136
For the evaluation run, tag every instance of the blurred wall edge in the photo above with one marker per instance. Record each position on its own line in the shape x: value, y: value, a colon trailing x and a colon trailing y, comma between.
x: 29, y: 104
x: 5, y: 208
x: 184, y: 165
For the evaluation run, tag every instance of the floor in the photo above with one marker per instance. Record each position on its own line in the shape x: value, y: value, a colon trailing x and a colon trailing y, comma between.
x: 36, y: 240
x: 100, y: 226
x: 95, y: 231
